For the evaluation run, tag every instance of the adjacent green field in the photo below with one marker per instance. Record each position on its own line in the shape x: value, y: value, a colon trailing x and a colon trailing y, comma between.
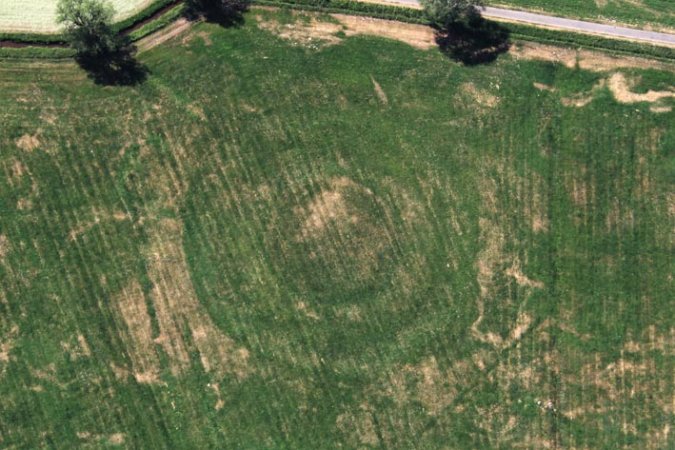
x: 658, y: 14
x: 39, y: 16
x: 363, y: 245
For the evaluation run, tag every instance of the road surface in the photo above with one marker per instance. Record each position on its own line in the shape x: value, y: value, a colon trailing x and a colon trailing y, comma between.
x: 560, y: 23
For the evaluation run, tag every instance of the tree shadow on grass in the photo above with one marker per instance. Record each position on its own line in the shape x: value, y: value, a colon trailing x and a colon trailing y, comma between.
x: 114, y: 67
x: 477, y: 41
x: 228, y: 13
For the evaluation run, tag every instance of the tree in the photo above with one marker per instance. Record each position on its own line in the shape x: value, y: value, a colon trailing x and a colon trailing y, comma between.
x: 225, y: 12
x: 444, y: 13
x: 88, y: 26
x: 107, y: 55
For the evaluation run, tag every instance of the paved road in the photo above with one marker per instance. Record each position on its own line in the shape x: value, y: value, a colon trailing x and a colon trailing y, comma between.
x: 560, y: 23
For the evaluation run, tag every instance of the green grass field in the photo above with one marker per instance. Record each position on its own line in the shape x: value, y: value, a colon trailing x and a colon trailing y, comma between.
x: 659, y: 14
x: 39, y: 16
x: 362, y: 245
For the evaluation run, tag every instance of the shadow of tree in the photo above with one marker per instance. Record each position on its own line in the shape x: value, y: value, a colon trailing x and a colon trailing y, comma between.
x: 477, y: 41
x: 114, y: 67
x: 226, y: 13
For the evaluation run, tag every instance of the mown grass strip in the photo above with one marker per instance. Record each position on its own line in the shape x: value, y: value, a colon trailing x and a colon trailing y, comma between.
x: 158, y: 23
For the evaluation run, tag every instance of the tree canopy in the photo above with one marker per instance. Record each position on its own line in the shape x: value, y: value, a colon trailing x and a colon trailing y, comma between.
x: 225, y: 12
x: 444, y: 13
x: 88, y: 25
x: 107, y: 55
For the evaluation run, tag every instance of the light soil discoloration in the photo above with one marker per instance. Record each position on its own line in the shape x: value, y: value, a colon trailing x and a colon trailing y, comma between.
x: 132, y: 307
x: 584, y: 59
x: 417, y: 36
x: 515, y: 271
x: 28, y: 142
x: 4, y: 247
x: 581, y: 189
x: 581, y: 99
x: 330, y: 206
x: 351, y: 312
x: 536, y: 210
x: 7, y: 343
x: 620, y: 87
x: 359, y: 427
x: 306, y: 310
x: 312, y: 33
x: 426, y: 383
x: 177, y: 306
x: 17, y: 170
x: 660, y: 109
x: 98, y: 216
x: 114, y: 439
x: 220, y: 403
x: 77, y: 350
x: 493, y: 259
x: 543, y: 87
x: 346, y: 227
x: 316, y: 33
x: 381, y: 95
x: 197, y: 111
x: 480, y: 97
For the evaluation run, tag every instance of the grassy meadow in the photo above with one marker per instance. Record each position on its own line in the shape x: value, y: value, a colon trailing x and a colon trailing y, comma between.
x: 656, y: 13
x: 278, y: 244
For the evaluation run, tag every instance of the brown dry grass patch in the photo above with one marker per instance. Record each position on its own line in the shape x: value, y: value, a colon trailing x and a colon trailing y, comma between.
x: 132, y: 307
x: 167, y: 33
x: 176, y: 305
x: 620, y: 87
x: 330, y: 207
x: 318, y: 33
x: 4, y: 247
x: 311, y: 33
x: 359, y: 427
x: 480, y: 97
x: 28, y: 142
x: 543, y: 87
x: 381, y: 95
x: 7, y: 344
x: 585, y: 59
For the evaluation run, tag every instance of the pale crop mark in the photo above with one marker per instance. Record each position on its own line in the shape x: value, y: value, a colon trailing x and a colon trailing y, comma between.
x: 28, y: 142
x: 379, y: 92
